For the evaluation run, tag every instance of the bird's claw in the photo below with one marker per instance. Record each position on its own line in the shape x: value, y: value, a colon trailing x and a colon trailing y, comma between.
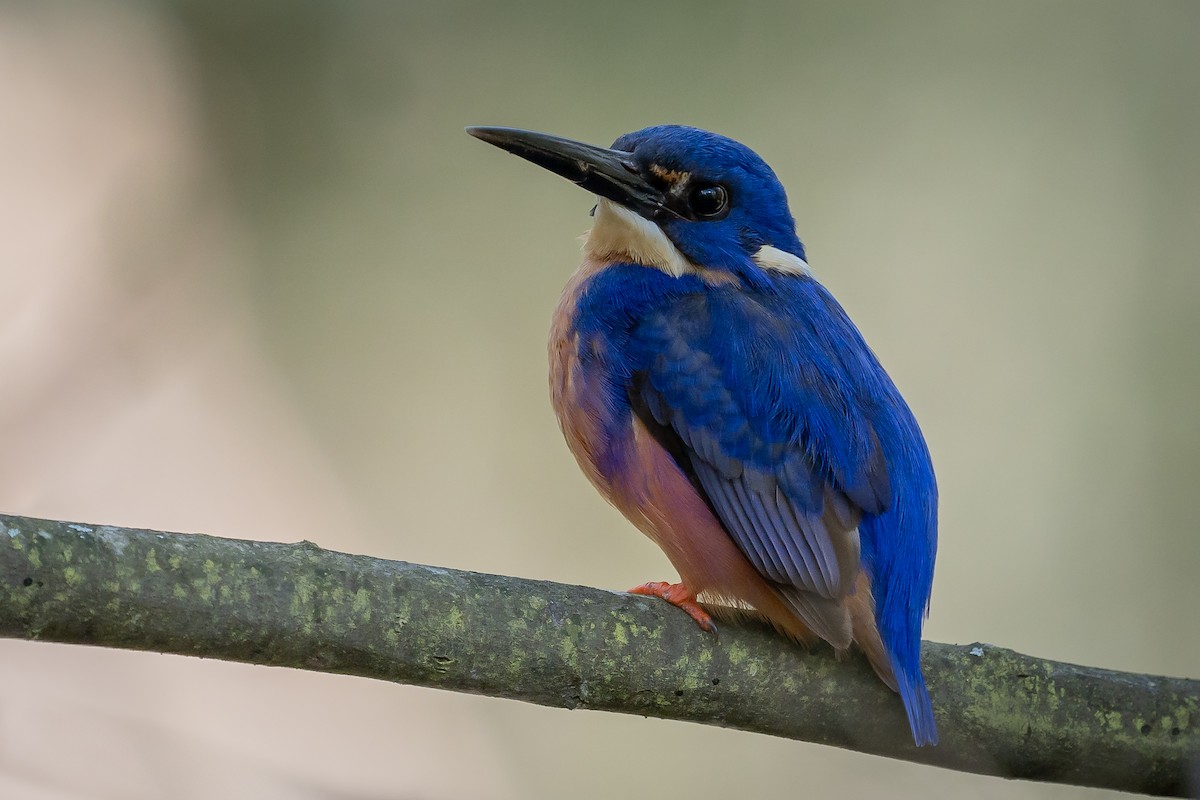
x: 678, y: 595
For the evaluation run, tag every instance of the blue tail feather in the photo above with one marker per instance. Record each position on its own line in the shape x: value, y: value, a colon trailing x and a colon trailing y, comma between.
x: 917, y: 706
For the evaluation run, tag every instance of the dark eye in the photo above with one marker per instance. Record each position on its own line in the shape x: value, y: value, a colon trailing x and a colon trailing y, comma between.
x: 708, y: 200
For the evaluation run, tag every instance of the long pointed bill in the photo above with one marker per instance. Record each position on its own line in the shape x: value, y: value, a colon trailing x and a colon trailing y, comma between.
x: 609, y: 173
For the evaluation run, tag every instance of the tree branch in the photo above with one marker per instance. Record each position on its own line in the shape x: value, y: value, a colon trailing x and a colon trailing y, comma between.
x: 999, y: 712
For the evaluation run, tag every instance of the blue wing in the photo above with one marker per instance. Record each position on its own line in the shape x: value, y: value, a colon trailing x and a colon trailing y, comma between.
x: 761, y: 398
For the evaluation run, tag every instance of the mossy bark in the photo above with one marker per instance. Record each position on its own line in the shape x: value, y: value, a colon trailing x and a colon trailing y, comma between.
x: 999, y: 712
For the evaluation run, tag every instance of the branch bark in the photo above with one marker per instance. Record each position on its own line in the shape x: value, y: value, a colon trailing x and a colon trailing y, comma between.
x: 296, y: 605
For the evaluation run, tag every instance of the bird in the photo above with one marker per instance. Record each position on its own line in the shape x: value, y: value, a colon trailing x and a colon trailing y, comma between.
x: 718, y: 395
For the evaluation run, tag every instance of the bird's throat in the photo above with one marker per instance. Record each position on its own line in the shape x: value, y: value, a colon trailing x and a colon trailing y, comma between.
x: 620, y: 235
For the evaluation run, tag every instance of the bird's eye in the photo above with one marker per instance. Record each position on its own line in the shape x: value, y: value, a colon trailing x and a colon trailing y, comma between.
x: 708, y: 200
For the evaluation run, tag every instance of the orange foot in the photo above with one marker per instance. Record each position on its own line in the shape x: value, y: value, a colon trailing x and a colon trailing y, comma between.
x: 678, y: 595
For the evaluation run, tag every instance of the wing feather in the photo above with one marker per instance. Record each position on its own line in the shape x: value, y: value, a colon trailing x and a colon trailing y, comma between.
x: 788, y: 475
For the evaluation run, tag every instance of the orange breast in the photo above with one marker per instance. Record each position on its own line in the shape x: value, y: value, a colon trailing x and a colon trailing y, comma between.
x: 576, y: 396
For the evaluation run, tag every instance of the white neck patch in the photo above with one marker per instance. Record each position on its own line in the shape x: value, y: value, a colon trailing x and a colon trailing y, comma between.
x: 620, y: 234
x: 777, y: 260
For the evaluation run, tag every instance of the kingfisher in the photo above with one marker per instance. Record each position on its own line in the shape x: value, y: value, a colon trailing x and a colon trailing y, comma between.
x: 720, y: 397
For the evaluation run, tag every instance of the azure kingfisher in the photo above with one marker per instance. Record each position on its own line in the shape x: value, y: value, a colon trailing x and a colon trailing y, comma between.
x: 717, y: 395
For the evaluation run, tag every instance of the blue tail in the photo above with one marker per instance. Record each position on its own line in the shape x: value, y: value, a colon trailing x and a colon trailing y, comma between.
x: 898, y: 552
x: 917, y: 706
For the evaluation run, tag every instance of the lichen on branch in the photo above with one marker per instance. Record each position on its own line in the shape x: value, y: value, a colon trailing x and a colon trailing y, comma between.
x: 296, y: 605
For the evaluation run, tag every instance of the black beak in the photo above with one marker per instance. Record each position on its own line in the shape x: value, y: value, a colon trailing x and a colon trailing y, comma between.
x: 609, y: 173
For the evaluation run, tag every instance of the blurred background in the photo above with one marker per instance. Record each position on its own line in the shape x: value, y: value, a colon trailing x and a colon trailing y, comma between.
x: 255, y: 281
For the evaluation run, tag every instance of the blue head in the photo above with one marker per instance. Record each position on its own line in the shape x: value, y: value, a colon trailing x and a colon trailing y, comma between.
x: 727, y: 202
x: 675, y: 197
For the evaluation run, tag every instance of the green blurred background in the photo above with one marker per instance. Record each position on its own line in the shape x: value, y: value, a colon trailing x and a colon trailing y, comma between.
x: 257, y: 282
